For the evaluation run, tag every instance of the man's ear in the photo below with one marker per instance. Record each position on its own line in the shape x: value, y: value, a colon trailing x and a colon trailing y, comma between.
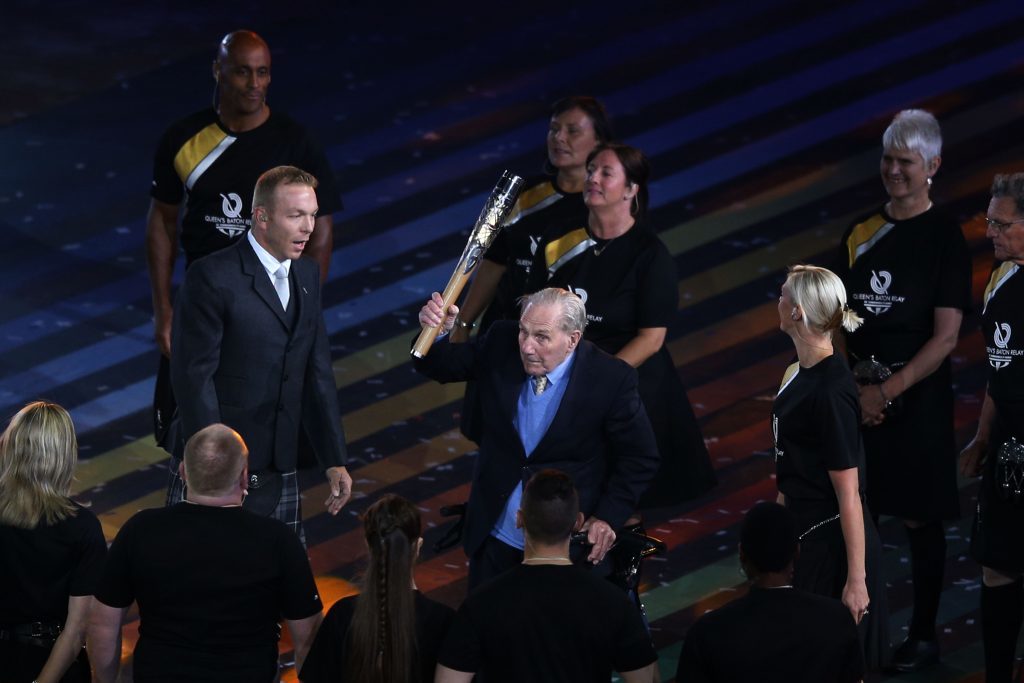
x: 519, y: 519
x: 181, y: 471
x: 579, y: 522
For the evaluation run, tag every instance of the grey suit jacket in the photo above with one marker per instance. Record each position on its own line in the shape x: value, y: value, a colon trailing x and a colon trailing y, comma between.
x: 237, y: 358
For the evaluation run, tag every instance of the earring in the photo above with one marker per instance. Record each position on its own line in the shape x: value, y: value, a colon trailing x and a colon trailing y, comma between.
x: 929, y: 180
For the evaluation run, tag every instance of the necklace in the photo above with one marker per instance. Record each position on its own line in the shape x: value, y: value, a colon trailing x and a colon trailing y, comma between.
x: 599, y: 248
x: 230, y: 505
x: 545, y: 560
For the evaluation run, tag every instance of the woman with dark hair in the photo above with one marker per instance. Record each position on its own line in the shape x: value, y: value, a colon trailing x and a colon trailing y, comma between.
x: 907, y: 269
x: 551, y: 202
x: 819, y: 458
x: 627, y: 279
x: 51, y: 551
x: 389, y: 633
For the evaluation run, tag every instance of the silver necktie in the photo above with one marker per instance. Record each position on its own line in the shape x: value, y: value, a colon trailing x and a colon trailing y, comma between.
x: 281, y: 285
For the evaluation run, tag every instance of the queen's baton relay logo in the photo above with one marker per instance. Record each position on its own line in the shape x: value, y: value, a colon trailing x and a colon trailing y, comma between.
x: 879, y: 301
x: 231, y: 222
x: 1001, y: 355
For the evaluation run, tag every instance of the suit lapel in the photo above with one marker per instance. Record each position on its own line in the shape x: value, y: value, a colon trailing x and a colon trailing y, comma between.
x: 300, y: 292
x: 513, y: 377
x: 252, y: 267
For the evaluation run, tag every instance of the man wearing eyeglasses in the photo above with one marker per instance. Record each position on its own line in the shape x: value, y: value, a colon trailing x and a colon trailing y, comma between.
x: 997, y: 450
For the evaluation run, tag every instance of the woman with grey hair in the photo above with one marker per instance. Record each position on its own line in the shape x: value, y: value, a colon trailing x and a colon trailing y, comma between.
x: 997, y: 450
x: 51, y: 551
x: 908, y: 273
x: 819, y: 458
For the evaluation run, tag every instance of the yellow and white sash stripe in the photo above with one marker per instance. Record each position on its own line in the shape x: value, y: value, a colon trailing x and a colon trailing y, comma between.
x: 787, y: 378
x: 199, y: 153
x: 566, y: 248
x: 999, y: 277
x: 532, y: 200
x: 865, y: 235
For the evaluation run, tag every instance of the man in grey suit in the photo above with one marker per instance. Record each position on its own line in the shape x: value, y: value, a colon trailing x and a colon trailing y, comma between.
x: 250, y: 349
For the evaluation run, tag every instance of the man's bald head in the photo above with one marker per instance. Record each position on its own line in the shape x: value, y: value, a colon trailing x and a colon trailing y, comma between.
x: 242, y: 72
x: 215, y: 458
x: 239, y: 40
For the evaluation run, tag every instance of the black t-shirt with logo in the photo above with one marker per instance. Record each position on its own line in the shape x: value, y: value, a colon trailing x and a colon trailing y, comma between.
x: 896, y: 274
x: 214, y: 172
x: 627, y: 283
x: 1003, y: 328
x: 542, y: 209
x: 816, y: 430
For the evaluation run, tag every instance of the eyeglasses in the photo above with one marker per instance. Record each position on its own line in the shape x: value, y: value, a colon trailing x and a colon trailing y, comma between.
x: 1001, y: 226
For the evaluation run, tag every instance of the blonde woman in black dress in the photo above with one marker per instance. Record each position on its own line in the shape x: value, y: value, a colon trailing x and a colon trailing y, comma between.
x: 819, y: 457
x: 51, y: 551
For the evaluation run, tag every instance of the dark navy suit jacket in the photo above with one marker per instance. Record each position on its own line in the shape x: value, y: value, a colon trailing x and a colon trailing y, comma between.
x: 237, y: 357
x: 600, y: 435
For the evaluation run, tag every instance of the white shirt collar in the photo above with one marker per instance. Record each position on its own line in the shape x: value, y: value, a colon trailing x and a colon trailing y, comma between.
x: 268, y: 261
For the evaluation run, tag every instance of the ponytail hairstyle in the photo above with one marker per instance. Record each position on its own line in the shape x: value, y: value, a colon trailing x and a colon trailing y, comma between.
x: 382, y: 637
x: 821, y: 296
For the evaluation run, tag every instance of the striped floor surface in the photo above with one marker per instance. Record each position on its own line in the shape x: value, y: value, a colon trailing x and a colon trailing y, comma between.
x: 762, y: 120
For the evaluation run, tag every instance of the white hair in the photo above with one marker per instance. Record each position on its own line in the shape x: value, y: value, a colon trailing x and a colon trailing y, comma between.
x: 573, y: 315
x: 914, y: 130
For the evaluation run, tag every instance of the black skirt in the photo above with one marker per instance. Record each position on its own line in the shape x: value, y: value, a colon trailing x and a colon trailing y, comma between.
x: 685, y: 471
x: 911, y: 457
x: 821, y: 569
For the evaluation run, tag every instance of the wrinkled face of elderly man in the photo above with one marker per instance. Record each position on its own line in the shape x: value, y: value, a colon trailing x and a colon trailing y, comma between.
x: 543, y: 343
x: 1006, y: 229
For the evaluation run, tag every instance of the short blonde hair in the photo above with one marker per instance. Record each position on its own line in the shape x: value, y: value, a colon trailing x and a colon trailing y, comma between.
x: 821, y: 296
x: 214, y: 457
x: 38, y: 453
x: 268, y: 183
